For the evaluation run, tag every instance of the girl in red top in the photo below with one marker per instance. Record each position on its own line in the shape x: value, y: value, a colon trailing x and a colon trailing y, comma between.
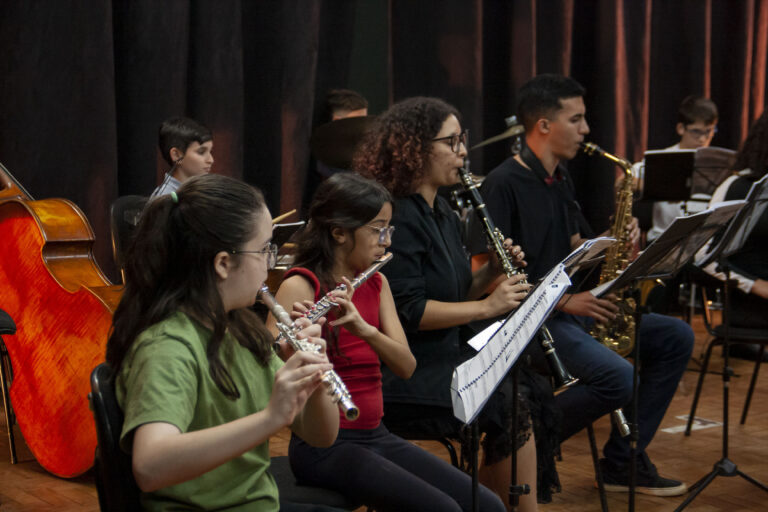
x: 348, y: 230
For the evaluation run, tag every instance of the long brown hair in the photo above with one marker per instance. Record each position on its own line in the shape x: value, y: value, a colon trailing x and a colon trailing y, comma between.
x: 345, y: 200
x: 169, y: 268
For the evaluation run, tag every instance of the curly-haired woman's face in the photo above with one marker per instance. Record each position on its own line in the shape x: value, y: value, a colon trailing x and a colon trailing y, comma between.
x: 444, y: 164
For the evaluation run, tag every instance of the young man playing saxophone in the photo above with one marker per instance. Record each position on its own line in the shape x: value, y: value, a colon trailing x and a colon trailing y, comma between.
x: 532, y: 201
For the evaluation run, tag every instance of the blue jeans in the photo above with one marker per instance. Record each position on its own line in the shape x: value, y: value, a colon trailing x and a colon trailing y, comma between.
x: 665, y: 345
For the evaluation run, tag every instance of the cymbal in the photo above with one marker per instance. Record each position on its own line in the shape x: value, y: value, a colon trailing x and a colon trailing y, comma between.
x: 515, y: 129
x: 335, y: 143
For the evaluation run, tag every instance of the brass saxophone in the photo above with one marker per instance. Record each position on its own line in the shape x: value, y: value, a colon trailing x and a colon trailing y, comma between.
x: 619, y: 334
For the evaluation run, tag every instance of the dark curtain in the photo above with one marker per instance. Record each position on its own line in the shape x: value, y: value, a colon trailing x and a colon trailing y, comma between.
x: 84, y: 85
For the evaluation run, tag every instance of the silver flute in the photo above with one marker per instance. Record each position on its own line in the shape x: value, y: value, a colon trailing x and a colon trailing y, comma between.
x: 289, y: 331
x: 321, y: 308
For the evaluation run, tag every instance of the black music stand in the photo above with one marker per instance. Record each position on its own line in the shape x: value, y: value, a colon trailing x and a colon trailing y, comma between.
x: 473, y: 381
x: 663, y: 258
x: 678, y: 175
x: 732, y: 240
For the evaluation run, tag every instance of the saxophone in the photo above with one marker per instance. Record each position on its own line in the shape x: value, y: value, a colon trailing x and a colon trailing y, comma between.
x: 618, y: 335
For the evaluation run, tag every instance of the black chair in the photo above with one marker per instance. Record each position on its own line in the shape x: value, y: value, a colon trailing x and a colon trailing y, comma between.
x: 292, y: 492
x: 7, y: 326
x: 736, y: 335
x: 123, y: 217
x: 115, y: 484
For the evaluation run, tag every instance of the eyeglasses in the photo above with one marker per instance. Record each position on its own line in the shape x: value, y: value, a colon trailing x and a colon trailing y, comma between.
x: 454, y: 140
x: 384, y: 232
x: 697, y: 133
x: 270, y: 251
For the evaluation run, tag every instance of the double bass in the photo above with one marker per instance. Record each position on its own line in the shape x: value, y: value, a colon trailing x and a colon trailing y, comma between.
x: 62, y: 304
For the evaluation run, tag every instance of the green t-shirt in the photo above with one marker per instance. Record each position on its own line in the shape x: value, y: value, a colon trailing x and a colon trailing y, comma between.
x: 165, y: 378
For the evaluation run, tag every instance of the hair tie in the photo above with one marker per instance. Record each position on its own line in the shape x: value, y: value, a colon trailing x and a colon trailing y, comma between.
x: 175, y: 197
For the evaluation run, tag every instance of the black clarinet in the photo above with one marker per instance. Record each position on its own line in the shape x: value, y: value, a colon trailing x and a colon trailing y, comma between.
x: 562, y: 378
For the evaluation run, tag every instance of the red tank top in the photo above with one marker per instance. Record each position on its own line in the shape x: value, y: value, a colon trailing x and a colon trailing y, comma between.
x: 353, y: 359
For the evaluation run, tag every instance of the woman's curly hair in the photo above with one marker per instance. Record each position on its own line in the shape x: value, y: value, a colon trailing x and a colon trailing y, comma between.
x: 754, y: 151
x: 396, y: 151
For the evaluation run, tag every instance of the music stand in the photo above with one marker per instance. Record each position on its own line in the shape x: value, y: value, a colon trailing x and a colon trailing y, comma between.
x: 663, y: 258
x: 679, y: 175
x: 499, y: 347
x: 732, y: 240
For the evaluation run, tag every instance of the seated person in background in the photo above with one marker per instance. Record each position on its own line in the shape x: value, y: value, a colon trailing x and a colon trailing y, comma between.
x: 414, y: 148
x: 696, y: 126
x: 201, y: 389
x: 349, y: 228
x: 531, y: 199
x: 338, y: 104
x: 187, y: 146
x: 749, y: 266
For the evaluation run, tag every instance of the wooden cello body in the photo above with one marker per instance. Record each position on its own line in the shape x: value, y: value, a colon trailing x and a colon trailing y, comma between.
x: 62, y: 304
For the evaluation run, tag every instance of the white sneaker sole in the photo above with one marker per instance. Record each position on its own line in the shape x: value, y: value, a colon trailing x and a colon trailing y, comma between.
x: 653, y: 491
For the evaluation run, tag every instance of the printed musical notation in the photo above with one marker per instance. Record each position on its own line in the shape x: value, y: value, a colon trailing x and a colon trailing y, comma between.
x: 501, y: 344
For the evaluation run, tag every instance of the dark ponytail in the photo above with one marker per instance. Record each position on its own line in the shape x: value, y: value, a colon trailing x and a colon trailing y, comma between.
x: 169, y: 268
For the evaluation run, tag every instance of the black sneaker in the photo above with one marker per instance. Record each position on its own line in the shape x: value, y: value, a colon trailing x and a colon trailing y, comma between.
x: 616, y: 479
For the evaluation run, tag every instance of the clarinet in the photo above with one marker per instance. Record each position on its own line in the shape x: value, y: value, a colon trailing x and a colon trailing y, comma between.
x: 289, y: 331
x: 562, y: 378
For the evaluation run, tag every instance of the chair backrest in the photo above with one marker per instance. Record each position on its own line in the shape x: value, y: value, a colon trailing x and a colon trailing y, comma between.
x: 7, y: 326
x: 124, y: 216
x: 116, y: 486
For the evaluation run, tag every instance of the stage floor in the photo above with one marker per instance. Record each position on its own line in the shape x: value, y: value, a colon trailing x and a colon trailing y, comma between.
x: 28, y: 487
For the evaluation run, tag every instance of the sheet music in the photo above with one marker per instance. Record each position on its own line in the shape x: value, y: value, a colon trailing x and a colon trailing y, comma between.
x: 587, y: 251
x: 475, y: 379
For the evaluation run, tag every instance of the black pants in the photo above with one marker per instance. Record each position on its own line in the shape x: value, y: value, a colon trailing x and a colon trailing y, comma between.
x: 286, y: 506
x: 387, y: 472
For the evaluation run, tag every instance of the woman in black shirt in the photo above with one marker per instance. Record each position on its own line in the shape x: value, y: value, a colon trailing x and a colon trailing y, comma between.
x: 416, y: 147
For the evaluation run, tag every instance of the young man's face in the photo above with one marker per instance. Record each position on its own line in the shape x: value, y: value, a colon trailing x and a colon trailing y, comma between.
x: 695, y: 135
x: 198, y: 159
x: 567, y: 128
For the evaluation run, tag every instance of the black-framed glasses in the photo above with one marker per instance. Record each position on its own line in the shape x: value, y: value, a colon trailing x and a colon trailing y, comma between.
x: 384, y: 232
x: 697, y: 133
x: 454, y: 140
x: 270, y: 251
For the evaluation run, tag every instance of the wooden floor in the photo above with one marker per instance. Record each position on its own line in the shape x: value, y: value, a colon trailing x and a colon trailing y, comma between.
x: 27, y: 487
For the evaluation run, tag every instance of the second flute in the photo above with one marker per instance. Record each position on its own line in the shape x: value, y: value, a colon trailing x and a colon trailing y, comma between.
x: 288, y: 331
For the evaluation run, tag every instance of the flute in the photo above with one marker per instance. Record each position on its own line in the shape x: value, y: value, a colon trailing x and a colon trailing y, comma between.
x: 321, y: 308
x: 289, y: 332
